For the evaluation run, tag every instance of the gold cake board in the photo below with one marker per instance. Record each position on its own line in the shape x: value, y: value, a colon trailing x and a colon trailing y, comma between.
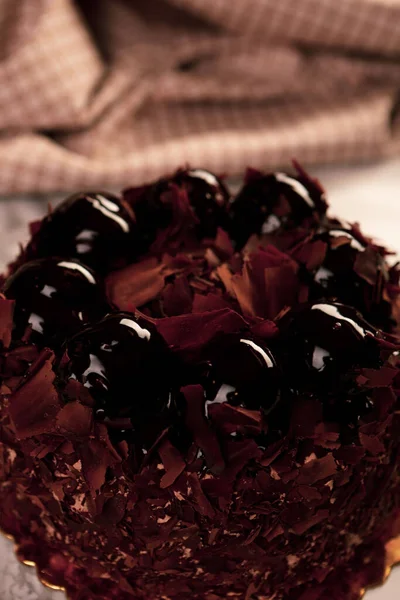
x: 391, y: 560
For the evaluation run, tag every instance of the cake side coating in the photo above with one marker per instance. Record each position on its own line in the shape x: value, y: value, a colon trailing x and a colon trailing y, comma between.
x: 253, y: 453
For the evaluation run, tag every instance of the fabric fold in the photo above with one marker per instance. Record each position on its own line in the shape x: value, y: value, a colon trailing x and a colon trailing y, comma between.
x: 116, y: 92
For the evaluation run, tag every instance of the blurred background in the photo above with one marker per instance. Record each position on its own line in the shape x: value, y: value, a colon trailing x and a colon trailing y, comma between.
x: 108, y: 93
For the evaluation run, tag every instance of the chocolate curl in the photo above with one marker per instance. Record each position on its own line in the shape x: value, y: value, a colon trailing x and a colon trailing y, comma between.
x: 312, y: 183
x: 173, y: 462
x: 35, y: 405
x: 75, y: 420
x: 201, y: 503
x: 309, y: 253
x: 6, y: 320
x: 177, y: 298
x: 190, y: 334
x: 209, y: 302
x: 268, y: 283
x: 96, y: 458
x: 317, y: 469
x: 183, y: 219
x: 144, y: 281
x: 202, y: 432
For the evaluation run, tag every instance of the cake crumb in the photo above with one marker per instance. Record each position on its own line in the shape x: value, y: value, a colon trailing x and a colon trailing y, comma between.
x: 164, y: 520
x: 179, y: 496
x: 310, y: 458
x: 274, y: 474
x: 292, y: 560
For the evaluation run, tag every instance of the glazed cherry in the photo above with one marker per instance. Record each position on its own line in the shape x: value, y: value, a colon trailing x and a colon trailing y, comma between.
x: 243, y: 372
x: 323, y: 344
x: 159, y: 205
x: 268, y: 203
x: 337, y: 278
x: 95, y: 227
x: 55, y: 297
x: 208, y: 197
x: 125, y: 364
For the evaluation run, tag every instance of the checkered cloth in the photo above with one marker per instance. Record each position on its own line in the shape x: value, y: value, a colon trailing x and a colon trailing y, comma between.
x: 105, y: 93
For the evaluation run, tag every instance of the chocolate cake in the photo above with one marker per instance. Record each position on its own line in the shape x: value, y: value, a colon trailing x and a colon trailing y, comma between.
x: 199, y: 394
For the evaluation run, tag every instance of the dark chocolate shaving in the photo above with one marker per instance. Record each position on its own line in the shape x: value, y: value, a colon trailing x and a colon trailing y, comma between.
x: 316, y: 469
x: 267, y: 284
x: 173, y: 462
x: 202, y: 431
x: 35, y: 405
x: 6, y: 320
x: 144, y: 281
x: 75, y: 420
x: 190, y: 334
x: 96, y: 458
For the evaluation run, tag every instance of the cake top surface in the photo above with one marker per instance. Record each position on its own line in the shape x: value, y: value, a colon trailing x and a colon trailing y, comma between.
x: 257, y: 297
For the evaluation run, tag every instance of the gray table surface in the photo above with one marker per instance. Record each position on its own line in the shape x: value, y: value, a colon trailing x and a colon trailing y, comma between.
x: 369, y: 194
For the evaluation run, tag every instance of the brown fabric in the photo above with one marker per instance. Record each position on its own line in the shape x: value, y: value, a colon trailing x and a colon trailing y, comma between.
x: 102, y: 93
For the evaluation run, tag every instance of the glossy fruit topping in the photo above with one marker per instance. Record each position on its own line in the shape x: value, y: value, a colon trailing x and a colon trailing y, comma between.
x: 191, y: 204
x: 125, y: 364
x: 268, y: 203
x: 243, y: 372
x: 55, y: 297
x: 324, y: 344
x: 95, y: 227
x: 353, y: 273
